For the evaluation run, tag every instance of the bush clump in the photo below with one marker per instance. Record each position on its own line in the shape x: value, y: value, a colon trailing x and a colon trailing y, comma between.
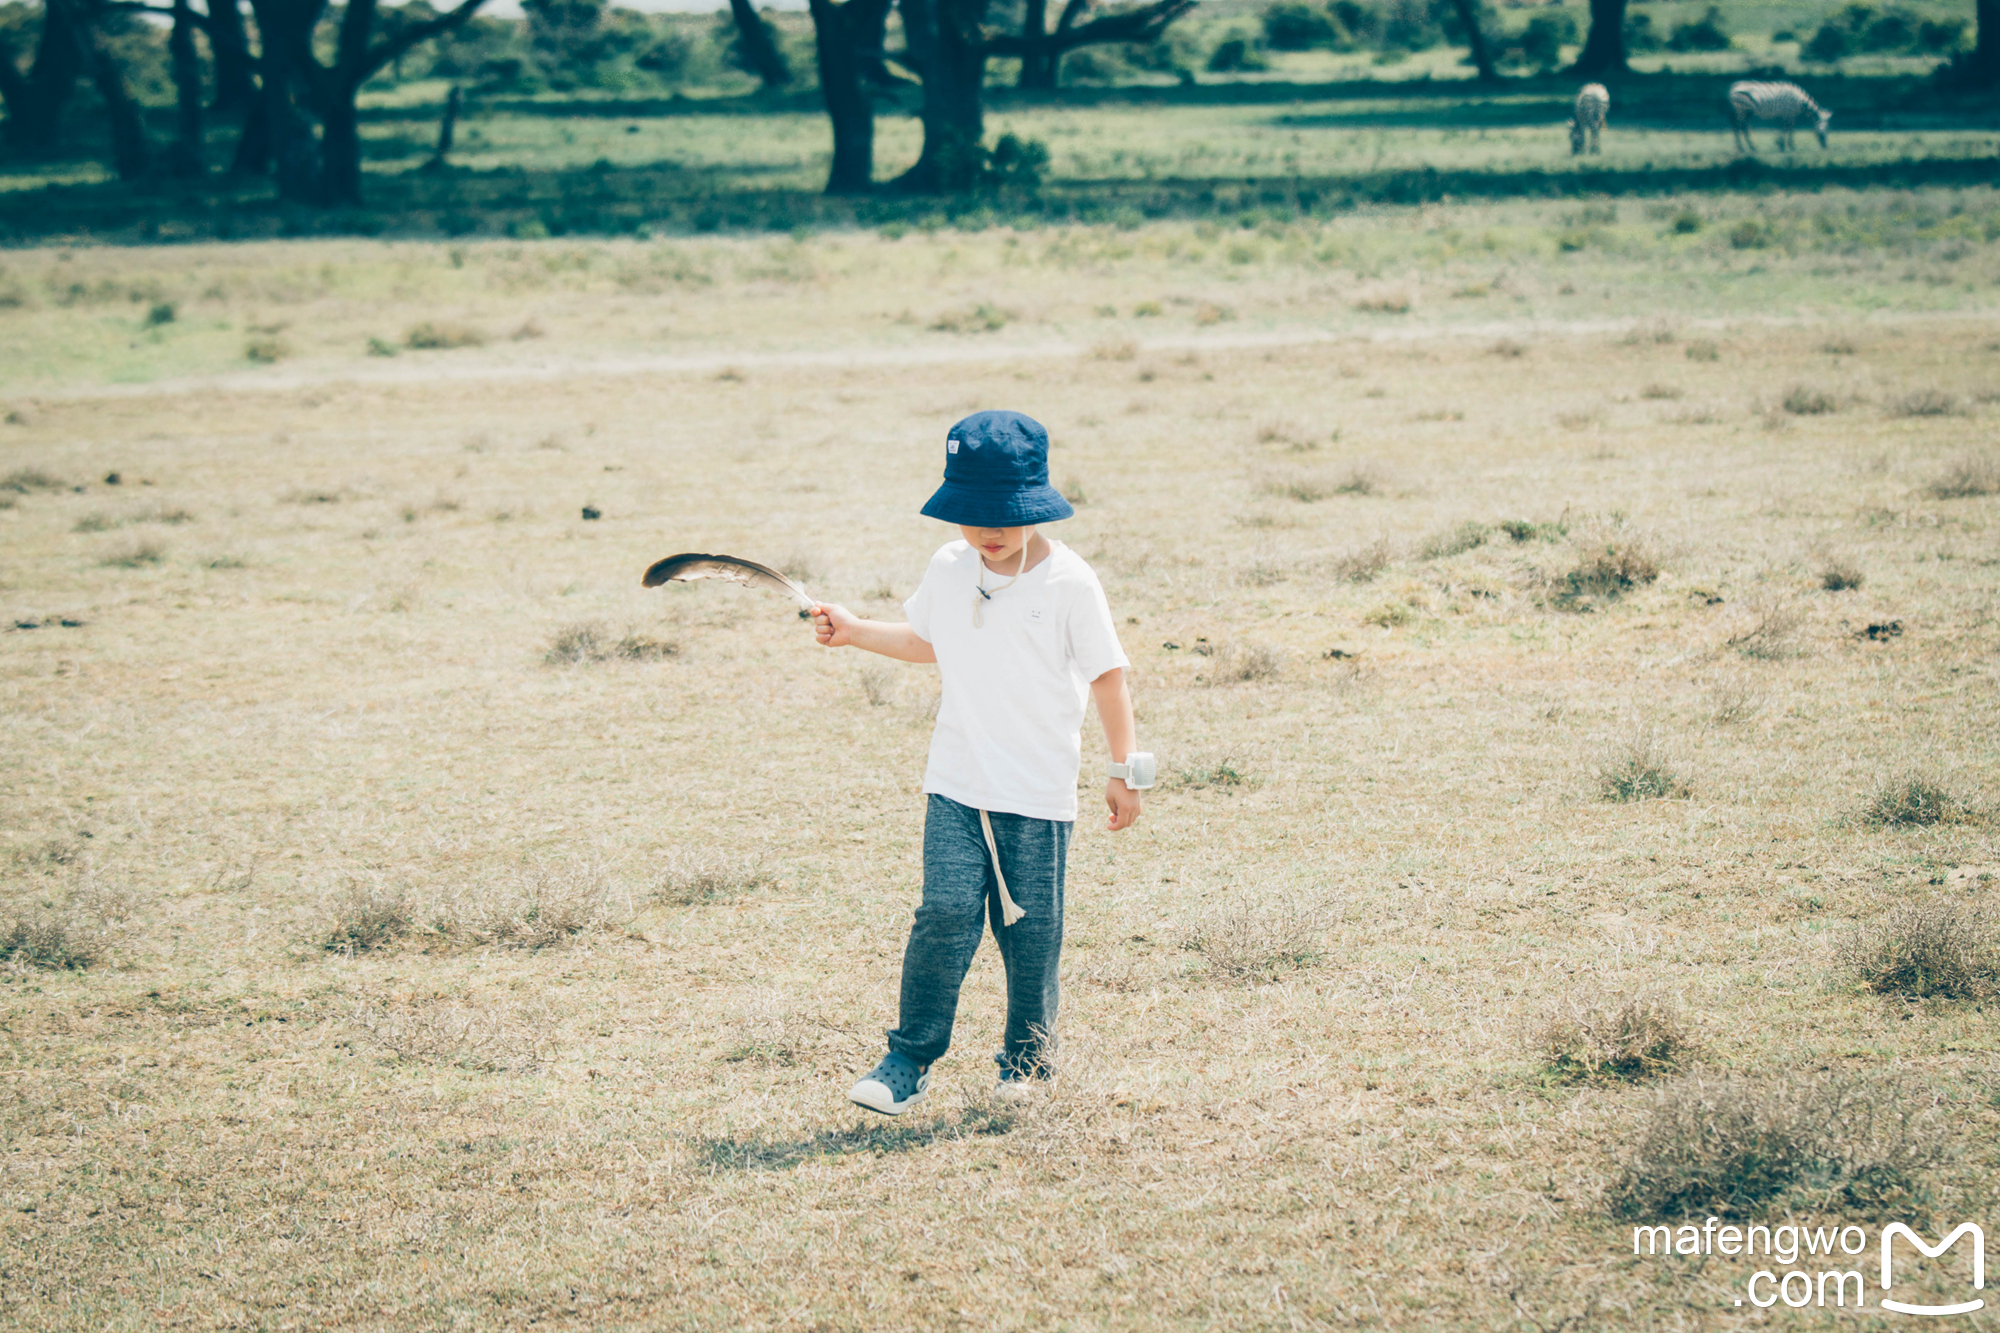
x: 1736, y: 1146
x: 1971, y: 476
x: 1455, y: 540
x: 1807, y: 400
x: 589, y: 641
x: 1945, y: 949
x: 429, y: 336
x: 365, y: 916
x: 1607, y: 571
x: 1916, y: 800
x: 1641, y: 770
x: 1258, y: 938
x: 1591, y: 1038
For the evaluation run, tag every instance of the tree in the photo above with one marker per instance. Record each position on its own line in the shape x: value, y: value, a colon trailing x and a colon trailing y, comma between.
x: 131, y: 155
x: 1041, y: 51
x: 757, y: 46
x: 324, y: 168
x: 35, y: 100
x: 1979, y: 67
x: 1604, y: 49
x: 847, y: 104
x: 1475, y: 38
x: 186, y: 158
x: 949, y: 45
x: 229, y: 44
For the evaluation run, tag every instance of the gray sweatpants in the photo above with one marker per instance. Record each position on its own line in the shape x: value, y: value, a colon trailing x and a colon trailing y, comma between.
x: 960, y: 894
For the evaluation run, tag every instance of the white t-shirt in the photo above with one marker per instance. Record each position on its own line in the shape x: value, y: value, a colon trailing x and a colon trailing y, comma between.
x: 1015, y: 687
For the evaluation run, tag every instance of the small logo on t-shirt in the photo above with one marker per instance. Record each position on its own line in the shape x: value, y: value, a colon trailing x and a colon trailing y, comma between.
x: 1034, y: 615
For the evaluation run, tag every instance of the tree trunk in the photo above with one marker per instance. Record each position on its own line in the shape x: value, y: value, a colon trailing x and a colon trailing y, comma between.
x: 951, y: 54
x: 1468, y: 14
x: 253, y: 145
x: 35, y: 102
x: 445, y: 128
x: 1038, y: 62
x: 131, y: 157
x: 340, y: 149
x: 235, y: 86
x: 847, y: 104
x: 868, y: 26
x: 1604, y: 50
x: 1982, y: 66
x: 186, y: 159
x: 758, y: 47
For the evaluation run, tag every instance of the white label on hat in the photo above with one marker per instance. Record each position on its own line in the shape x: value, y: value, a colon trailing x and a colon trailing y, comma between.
x: 951, y: 446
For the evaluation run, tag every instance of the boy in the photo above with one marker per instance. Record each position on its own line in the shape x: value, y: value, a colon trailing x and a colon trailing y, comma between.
x: 1021, y: 634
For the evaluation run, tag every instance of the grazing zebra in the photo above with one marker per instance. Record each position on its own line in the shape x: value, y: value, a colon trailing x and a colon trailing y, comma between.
x: 1591, y: 104
x: 1780, y: 104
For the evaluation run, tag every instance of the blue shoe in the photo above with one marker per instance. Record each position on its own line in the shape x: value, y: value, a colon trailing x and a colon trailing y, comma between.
x: 893, y: 1086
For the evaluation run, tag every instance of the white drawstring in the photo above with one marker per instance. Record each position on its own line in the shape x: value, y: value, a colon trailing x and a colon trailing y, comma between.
x: 1010, y: 912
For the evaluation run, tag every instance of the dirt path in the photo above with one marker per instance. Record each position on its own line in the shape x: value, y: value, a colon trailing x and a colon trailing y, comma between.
x: 471, y: 369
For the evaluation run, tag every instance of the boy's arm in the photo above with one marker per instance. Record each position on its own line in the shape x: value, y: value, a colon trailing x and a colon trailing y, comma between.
x: 1114, y: 709
x: 838, y: 627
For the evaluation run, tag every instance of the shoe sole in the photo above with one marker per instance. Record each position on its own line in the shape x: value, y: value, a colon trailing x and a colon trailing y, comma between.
x: 887, y: 1104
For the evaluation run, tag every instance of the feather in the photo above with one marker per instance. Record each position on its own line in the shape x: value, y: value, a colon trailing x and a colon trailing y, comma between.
x: 693, y: 565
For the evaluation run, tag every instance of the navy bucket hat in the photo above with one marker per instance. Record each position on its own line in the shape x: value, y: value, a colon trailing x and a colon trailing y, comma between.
x: 996, y: 474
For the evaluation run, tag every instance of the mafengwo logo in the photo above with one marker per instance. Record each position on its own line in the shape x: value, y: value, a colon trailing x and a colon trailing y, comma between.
x: 1824, y: 1284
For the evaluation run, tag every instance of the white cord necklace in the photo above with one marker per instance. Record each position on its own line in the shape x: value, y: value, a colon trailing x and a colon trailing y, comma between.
x: 983, y: 595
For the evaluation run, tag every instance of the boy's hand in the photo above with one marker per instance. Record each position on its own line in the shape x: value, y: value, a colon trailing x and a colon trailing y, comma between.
x: 833, y: 625
x: 1124, y: 803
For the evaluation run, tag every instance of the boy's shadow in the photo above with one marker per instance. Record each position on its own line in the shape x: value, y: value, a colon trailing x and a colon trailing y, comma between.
x: 760, y: 1154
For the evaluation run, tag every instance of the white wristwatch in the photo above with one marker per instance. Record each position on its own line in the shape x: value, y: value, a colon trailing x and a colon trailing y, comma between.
x: 1138, y: 770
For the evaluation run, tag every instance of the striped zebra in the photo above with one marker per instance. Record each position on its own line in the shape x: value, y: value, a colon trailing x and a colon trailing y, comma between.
x: 1591, y: 104
x: 1780, y: 104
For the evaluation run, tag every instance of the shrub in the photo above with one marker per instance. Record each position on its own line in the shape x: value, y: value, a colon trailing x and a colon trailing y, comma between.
x: 1396, y: 302
x: 1749, y: 234
x: 1927, y: 403
x: 1258, y: 938
x: 1361, y: 564
x: 1641, y: 36
x: 162, y: 312
x: 22, y: 480
x: 1661, y: 392
x: 1707, y: 34
x: 592, y: 641
x: 1640, y: 770
x: 1806, y: 400
x: 534, y: 906
x: 1972, y: 475
x: 1607, y: 571
x: 691, y: 878
x: 1521, y: 530
x: 1016, y: 163
x: 135, y: 555
x: 1232, y: 664
x: 1915, y: 800
x: 1589, y: 1038
x: 1221, y: 773
x: 1943, y: 948
x: 1236, y: 55
x: 1704, y: 349
x: 1839, y: 574
x: 1687, y: 222
x: 981, y: 318
x: 1734, y: 1146
x: 1292, y: 26
x: 1507, y: 347
x: 1455, y: 540
x: 365, y: 916
x: 1389, y: 615
x: 1775, y: 624
x: 48, y: 940
x: 267, y: 350
x: 429, y: 336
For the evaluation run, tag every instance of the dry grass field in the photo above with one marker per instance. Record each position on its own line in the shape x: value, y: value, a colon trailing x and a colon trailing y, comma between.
x: 1570, y: 640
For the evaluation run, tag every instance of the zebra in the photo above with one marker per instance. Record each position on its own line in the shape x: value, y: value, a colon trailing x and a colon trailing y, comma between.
x: 1781, y: 104
x: 1591, y: 104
